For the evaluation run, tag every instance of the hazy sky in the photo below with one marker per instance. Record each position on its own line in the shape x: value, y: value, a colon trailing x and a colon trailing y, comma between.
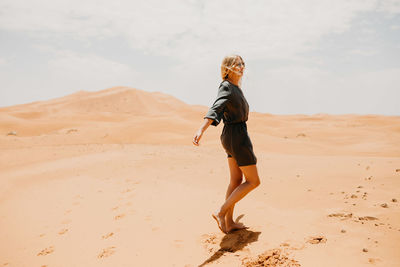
x: 306, y: 57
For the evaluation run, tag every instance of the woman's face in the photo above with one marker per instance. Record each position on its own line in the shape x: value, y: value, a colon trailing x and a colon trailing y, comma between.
x: 238, y: 67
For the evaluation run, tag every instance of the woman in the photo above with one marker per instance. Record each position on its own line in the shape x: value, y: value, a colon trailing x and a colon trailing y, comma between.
x: 233, y: 108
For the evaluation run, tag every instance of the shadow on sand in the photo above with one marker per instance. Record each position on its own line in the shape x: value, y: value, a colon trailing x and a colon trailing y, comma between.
x: 232, y: 242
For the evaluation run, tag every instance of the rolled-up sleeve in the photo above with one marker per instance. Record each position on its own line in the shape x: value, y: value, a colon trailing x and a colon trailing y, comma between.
x: 216, y: 111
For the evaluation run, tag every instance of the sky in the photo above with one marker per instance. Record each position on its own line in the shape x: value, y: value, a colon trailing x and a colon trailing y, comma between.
x: 302, y: 57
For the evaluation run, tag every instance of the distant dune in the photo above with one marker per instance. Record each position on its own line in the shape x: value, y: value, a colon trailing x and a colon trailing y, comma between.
x: 127, y: 115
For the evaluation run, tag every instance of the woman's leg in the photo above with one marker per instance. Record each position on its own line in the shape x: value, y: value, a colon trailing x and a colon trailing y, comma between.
x: 236, y: 177
x: 252, y: 181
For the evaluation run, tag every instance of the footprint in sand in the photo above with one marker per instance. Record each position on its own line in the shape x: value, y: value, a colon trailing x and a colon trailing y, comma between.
x: 373, y: 261
x: 127, y: 190
x: 294, y: 246
x: 106, y: 252
x: 63, y: 231
x: 316, y: 239
x: 357, y: 219
x: 120, y: 216
x: 210, y: 242
x: 108, y: 235
x: 369, y: 178
x: 367, y: 218
x: 46, y: 251
x: 344, y: 216
x: 210, y: 239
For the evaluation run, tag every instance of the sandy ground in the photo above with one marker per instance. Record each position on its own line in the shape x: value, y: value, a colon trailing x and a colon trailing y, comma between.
x: 111, y: 178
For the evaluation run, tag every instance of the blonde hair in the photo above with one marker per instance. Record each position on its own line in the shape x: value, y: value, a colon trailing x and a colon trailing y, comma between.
x: 227, y: 64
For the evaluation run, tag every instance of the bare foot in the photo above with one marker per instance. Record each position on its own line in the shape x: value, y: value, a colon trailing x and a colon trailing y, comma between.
x: 220, y: 221
x: 232, y: 226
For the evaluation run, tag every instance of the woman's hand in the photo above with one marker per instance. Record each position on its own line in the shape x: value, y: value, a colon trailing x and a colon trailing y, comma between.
x: 197, y: 137
x: 203, y: 128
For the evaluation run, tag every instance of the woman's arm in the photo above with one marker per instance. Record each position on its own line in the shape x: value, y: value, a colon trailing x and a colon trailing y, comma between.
x: 203, y: 128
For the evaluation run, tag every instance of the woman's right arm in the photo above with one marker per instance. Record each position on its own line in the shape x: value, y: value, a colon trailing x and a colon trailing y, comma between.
x: 215, y: 113
x: 202, y: 129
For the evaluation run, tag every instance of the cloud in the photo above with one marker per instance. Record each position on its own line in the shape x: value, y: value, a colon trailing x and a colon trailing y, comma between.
x: 391, y: 7
x: 65, y: 73
x: 3, y: 62
x: 90, y: 71
x: 190, y: 29
x: 364, y: 52
x: 298, y: 89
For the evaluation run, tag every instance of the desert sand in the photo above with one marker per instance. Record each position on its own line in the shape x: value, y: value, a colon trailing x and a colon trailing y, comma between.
x: 111, y: 178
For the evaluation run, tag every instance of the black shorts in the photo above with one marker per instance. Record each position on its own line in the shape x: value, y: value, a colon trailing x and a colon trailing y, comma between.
x: 237, y: 143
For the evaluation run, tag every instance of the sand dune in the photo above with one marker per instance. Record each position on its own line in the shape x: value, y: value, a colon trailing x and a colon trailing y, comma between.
x: 110, y: 178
